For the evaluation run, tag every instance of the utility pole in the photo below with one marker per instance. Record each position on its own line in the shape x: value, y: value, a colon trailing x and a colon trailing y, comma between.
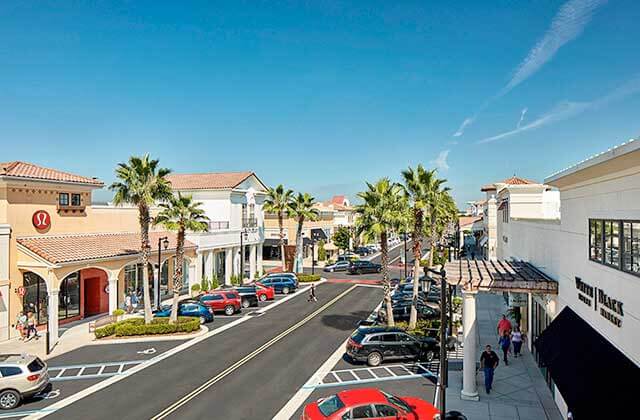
x: 443, y: 342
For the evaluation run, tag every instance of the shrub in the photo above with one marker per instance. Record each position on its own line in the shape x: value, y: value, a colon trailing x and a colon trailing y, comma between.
x: 118, y: 312
x: 214, y: 283
x: 204, y: 284
x: 424, y: 327
x: 322, y: 253
x: 195, y: 288
x: 306, y: 278
x: 136, y: 326
x: 105, y: 331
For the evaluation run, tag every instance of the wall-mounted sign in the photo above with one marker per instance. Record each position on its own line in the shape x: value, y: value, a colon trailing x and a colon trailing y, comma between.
x: 518, y: 299
x: 21, y: 291
x: 41, y: 220
x: 609, y: 308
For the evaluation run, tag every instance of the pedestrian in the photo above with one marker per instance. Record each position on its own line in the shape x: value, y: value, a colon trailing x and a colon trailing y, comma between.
x: 489, y: 361
x: 505, y: 345
x: 134, y: 301
x: 517, y: 338
x: 31, y: 326
x: 21, y: 324
x: 312, y: 294
x: 127, y: 304
x: 504, y: 325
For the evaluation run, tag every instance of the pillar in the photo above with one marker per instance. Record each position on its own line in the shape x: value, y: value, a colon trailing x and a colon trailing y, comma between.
x: 236, y: 260
x: 53, y: 318
x: 228, y: 265
x: 252, y: 261
x: 199, y: 268
x: 113, y: 292
x: 259, y: 258
x: 208, y: 265
x: 470, y: 331
x: 156, y: 286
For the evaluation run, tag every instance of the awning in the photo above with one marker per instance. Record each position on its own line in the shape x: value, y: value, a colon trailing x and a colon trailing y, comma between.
x: 319, y: 235
x: 499, y: 276
x: 588, y: 370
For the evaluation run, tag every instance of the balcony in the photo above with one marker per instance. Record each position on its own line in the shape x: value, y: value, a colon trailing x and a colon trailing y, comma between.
x: 218, y: 225
x: 249, y: 222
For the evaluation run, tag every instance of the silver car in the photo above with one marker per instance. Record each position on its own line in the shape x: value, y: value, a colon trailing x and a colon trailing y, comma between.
x: 21, y: 376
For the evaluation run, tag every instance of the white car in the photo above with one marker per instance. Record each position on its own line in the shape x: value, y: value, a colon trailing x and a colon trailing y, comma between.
x: 21, y: 376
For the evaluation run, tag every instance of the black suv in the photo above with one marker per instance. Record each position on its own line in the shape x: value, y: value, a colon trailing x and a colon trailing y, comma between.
x: 377, y: 344
x: 359, y: 267
x: 402, y: 311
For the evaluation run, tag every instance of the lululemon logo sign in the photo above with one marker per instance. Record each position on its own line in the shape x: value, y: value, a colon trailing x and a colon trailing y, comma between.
x: 41, y: 220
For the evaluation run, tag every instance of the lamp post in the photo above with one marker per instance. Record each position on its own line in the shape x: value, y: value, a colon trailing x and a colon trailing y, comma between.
x: 244, y: 234
x: 405, y: 255
x: 442, y: 383
x: 314, y: 237
x: 162, y: 241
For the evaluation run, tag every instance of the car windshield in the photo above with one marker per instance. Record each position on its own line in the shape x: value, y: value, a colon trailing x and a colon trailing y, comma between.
x: 330, y: 405
x: 357, y: 336
x: 397, y: 401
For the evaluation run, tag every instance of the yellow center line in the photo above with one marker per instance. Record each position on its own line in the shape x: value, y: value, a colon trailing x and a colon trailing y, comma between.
x: 175, y: 406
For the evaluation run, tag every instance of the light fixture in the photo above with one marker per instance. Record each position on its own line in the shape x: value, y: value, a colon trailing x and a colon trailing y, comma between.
x: 165, y: 242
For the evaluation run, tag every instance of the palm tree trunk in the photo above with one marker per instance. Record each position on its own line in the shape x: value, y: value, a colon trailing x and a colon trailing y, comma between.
x: 281, y: 226
x: 385, y: 278
x: 144, y: 219
x: 417, y: 255
x: 178, y: 275
x: 299, y: 243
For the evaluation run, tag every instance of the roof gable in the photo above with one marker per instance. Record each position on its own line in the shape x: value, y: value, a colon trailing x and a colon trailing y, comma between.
x: 210, y: 181
x: 26, y: 170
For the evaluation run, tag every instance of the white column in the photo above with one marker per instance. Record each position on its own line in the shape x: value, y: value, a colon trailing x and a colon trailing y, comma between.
x: 228, y: 265
x: 252, y: 261
x: 259, y: 258
x: 193, y: 277
x: 113, y: 292
x: 236, y: 260
x: 208, y: 265
x: 53, y: 318
x: 470, y: 330
x: 199, y: 265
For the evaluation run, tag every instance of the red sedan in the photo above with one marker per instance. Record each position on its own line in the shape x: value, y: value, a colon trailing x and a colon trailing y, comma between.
x: 264, y: 293
x: 369, y: 403
x: 227, y: 301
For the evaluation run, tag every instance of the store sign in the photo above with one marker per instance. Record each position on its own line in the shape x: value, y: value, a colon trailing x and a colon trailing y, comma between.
x: 41, y: 220
x: 609, y: 308
x: 518, y: 299
x: 21, y: 291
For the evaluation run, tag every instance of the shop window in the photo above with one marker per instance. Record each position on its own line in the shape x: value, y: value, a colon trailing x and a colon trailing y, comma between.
x: 615, y: 243
x: 631, y: 247
x: 76, y: 200
x: 63, y: 199
x: 595, y: 240
x: 69, y: 296
x: 133, y: 282
x: 35, y: 298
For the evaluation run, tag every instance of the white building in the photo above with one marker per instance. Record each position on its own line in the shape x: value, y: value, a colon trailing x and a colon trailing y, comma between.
x: 233, y: 202
x: 588, y: 336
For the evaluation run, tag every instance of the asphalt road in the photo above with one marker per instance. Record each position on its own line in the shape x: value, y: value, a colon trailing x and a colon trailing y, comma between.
x: 257, y: 388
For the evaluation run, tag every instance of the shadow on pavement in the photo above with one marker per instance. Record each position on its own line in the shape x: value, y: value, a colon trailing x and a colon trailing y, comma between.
x: 346, y: 322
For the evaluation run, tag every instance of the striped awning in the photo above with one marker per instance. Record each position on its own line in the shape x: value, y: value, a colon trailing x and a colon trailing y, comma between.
x: 497, y: 276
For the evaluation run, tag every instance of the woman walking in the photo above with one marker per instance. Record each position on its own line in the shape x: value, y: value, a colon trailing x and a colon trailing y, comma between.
x: 31, y: 326
x: 505, y: 344
x: 517, y: 338
x: 21, y: 324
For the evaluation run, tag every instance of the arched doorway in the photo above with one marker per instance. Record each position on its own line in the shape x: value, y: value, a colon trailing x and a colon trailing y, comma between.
x: 69, y: 297
x: 94, y: 291
x: 35, y: 298
x: 133, y: 282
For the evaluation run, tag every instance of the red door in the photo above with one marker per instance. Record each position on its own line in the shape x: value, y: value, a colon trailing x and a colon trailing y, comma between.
x: 92, y: 292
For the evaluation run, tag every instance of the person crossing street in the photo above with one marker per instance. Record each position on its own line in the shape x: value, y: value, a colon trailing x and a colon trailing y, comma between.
x: 312, y: 294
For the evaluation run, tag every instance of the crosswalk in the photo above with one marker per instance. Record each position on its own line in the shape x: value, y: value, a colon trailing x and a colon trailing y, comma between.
x: 345, y: 377
x: 90, y: 371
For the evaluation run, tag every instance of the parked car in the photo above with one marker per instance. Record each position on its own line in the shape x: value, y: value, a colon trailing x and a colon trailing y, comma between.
x: 368, y: 403
x: 422, y: 297
x: 363, y: 251
x: 223, y: 300
x: 286, y: 274
x: 375, y: 345
x: 248, y: 295
x: 348, y: 257
x: 402, y: 311
x: 360, y: 267
x: 188, y: 308
x: 338, y: 266
x: 281, y: 284
x: 264, y: 293
x: 375, y: 247
x: 21, y: 376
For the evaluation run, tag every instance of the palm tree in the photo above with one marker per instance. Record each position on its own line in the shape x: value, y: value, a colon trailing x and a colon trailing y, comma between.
x: 302, y: 209
x: 181, y: 214
x: 381, y: 212
x: 142, y: 184
x: 278, y: 202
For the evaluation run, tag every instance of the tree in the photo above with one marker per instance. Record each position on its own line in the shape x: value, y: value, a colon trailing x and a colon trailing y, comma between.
x: 341, y: 238
x: 302, y: 209
x: 181, y: 214
x: 141, y: 183
x: 278, y: 202
x: 322, y: 253
x: 380, y: 213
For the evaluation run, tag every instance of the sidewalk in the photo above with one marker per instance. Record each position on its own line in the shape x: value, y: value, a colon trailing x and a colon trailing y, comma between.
x: 519, y: 390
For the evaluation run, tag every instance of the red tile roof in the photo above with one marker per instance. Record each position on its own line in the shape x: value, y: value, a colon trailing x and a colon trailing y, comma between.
x: 468, y: 220
x: 27, y: 170
x: 514, y: 180
x: 92, y: 246
x: 338, y: 199
x: 208, y: 181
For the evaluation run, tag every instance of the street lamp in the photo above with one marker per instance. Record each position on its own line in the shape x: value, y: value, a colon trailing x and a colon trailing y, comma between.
x: 442, y: 384
x: 314, y: 237
x: 405, y: 255
x: 244, y: 234
x: 162, y: 241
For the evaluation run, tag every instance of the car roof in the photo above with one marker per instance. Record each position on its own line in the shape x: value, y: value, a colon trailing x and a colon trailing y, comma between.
x: 374, y: 330
x: 361, y: 396
x: 16, y: 358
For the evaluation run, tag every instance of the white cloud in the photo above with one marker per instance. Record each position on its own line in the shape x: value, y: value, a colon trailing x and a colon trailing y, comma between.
x: 566, y: 26
x: 441, y: 161
x: 464, y: 125
x: 567, y: 109
x: 522, y: 114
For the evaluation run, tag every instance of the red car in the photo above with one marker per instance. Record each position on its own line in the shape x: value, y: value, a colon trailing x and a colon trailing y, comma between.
x: 264, y: 293
x: 227, y: 301
x: 368, y: 403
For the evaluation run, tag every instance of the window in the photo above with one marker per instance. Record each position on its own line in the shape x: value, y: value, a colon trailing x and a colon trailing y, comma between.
x: 10, y: 371
x: 36, y: 365
x: 386, y: 411
x: 35, y: 299
x: 363, y: 412
x: 63, y: 199
x: 216, y: 297
x: 615, y: 243
x: 330, y: 405
x: 389, y: 338
x: 69, y: 296
x: 76, y: 200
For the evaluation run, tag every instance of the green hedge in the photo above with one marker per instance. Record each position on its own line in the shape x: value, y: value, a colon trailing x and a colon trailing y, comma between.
x: 306, y: 278
x: 136, y: 326
x: 424, y: 327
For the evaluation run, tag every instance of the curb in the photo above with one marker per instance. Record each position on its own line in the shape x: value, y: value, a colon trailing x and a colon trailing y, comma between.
x: 169, y: 337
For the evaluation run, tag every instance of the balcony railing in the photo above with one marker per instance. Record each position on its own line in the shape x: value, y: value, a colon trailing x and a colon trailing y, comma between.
x: 249, y: 222
x: 218, y: 225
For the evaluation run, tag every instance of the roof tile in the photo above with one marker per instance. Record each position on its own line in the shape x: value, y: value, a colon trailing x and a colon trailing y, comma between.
x: 208, y: 181
x: 27, y: 170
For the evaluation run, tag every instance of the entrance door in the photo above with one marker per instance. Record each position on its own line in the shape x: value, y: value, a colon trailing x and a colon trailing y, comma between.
x: 92, y: 292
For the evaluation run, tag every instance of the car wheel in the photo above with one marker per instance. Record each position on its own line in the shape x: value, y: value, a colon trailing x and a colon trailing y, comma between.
x: 374, y: 359
x: 246, y: 303
x: 203, y: 320
x: 229, y: 310
x: 379, y: 270
x: 263, y: 298
x: 331, y: 270
x: 429, y: 355
x: 285, y: 290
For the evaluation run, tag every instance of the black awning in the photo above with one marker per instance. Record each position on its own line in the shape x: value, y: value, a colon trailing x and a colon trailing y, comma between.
x: 589, y: 371
x: 318, y: 234
x: 271, y: 242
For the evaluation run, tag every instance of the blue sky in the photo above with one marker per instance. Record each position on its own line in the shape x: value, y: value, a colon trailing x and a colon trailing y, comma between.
x: 320, y: 95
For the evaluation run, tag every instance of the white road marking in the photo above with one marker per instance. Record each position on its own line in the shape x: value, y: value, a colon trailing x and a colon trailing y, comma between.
x: 151, y: 350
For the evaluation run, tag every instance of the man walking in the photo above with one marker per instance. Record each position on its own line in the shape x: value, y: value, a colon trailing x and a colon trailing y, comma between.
x: 504, y: 325
x: 488, y: 362
x: 312, y: 294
